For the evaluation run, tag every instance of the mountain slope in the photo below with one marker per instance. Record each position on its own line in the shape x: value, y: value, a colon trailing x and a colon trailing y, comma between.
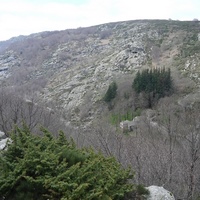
x: 74, y: 67
x: 71, y: 71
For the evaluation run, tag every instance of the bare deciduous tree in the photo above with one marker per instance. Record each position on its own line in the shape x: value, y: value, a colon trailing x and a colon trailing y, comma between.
x: 15, y: 110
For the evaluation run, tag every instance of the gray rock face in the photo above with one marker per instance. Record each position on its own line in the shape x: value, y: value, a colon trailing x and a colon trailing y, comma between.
x: 7, y: 61
x: 77, y: 66
x: 2, y: 135
x: 159, y: 193
x: 3, y: 143
x: 96, y: 63
x: 3, y: 140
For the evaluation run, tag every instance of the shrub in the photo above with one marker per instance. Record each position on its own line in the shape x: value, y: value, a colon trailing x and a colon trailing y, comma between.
x: 111, y: 92
x: 44, y: 167
x: 154, y: 83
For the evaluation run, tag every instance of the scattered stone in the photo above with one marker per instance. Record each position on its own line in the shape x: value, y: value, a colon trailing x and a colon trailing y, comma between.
x: 199, y: 37
x: 3, y: 143
x: 159, y: 193
x: 2, y: 135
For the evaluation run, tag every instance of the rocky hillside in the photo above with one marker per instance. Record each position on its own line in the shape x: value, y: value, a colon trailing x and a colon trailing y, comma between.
x: 75, y: 67
x: 71, y: 70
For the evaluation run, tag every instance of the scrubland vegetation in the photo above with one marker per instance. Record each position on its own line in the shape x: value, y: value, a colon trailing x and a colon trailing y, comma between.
x: 85, y: 82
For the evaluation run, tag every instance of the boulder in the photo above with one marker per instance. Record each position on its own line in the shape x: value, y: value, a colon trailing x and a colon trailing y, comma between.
x: 3, y: 143
x: 2, y: 135
x: 158, y: 193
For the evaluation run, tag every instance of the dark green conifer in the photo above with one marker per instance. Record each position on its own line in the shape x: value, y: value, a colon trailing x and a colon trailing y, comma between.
x: 44, y: 167
x: 111, y: 92
x: 155, y: 83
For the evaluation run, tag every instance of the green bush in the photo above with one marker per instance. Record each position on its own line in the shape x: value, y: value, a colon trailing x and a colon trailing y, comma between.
x: 141, y: 190
x: 154, y: 83
x: 129, y: 115
x: 44, y: 167
x: 111, y: 92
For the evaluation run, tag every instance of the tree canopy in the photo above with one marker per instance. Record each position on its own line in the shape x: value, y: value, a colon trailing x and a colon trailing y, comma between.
x: 156, y: 83
x: 44, y: 167
x: 111, y: 92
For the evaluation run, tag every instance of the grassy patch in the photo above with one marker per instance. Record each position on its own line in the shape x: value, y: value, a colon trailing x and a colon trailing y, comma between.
x: 129, y: 115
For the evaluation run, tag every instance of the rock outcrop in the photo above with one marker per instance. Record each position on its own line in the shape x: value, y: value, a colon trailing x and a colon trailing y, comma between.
x: 3, y: 143
x: 3, y: 140
x: 75, y: 67
x: 159, y: 193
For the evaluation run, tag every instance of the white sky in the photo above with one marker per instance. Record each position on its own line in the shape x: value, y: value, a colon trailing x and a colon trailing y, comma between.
x: 23, y: 17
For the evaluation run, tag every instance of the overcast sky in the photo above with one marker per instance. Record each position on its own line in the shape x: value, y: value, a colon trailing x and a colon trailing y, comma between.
x: 23, y: 17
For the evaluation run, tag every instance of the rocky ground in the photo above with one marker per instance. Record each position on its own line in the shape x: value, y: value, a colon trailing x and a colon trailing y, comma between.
x: 78, y: 65
x: 72, y: 69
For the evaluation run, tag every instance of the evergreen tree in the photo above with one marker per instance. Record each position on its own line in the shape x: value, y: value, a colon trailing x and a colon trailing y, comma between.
x: 154, y: 84
x: 44, y: 167
x: 111, y: 92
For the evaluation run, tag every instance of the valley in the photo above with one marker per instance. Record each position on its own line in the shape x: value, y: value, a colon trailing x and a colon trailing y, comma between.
x: 58, y: 80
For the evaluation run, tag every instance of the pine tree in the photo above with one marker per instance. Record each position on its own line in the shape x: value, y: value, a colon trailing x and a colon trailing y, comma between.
x: 155, y: 84
x: 111, y: 92
x: 44, y: 167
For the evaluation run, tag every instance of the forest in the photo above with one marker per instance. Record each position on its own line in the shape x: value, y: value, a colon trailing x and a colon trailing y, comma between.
x: 43, y: 167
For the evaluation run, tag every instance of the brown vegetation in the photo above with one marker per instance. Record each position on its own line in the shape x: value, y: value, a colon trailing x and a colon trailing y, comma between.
x: 58, y: 79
